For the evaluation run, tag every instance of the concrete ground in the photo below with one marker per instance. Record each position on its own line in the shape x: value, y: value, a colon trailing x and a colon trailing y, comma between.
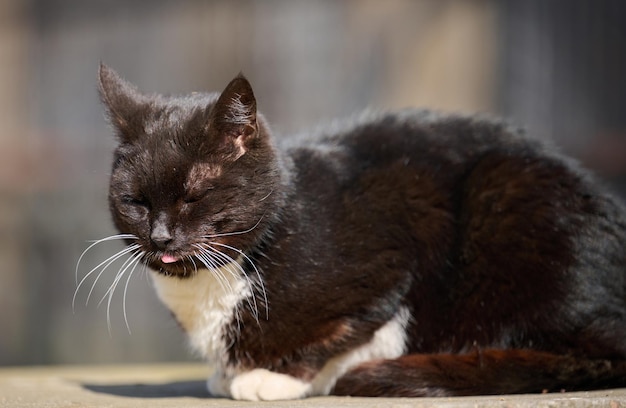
x: 182, y: 385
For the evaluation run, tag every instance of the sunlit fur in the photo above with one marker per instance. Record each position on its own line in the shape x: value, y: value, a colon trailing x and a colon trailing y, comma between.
x: 394, y: 254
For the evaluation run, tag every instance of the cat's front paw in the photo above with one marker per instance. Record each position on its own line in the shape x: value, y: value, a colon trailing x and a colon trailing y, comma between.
x: 263, y: 385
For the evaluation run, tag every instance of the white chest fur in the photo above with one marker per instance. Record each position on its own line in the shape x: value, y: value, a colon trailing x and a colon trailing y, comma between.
x: 204, y: 304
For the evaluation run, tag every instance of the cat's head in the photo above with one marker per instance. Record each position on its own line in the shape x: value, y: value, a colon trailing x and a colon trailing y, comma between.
x: 190, y: 174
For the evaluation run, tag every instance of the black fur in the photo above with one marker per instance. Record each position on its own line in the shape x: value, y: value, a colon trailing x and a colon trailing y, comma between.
x: 509, y: 257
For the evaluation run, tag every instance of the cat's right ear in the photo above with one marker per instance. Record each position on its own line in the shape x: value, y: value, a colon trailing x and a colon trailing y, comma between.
x: 123, y: 102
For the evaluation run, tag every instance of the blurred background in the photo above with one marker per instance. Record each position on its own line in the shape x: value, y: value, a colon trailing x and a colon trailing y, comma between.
x: 555, y: 66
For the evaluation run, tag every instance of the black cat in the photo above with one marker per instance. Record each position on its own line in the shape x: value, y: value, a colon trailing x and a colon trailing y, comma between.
x: 398, y: 254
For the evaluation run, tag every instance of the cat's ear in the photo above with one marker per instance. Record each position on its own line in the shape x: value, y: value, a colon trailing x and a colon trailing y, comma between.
x: 123, y: 102
x: 234, y: 115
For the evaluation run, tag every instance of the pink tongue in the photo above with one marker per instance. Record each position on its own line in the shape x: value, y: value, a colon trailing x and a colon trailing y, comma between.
x: 168, y: 259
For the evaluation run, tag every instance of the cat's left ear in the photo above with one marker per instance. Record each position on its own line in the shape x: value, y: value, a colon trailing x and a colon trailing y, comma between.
x: 234, y: 115
x: 123, y: 102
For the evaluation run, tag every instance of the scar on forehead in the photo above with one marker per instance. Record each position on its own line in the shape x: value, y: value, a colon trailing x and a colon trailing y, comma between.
x: 204, y: 171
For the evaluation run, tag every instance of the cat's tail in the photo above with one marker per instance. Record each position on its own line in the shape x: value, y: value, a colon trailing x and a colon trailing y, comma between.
x: 482, y: 372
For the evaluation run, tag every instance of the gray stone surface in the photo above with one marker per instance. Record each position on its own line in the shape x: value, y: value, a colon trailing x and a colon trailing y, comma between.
x: 182, y: 385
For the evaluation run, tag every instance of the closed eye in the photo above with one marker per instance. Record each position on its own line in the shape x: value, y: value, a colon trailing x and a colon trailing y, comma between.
x: 135, y: 201
x: 197, y: 196
x: 191, y: 199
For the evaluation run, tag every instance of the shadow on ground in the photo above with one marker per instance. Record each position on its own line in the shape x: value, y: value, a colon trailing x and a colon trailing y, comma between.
x: 195, y: 389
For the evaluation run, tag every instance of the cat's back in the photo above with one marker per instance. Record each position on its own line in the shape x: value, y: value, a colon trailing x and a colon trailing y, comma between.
x: 455, y: 196
x: 442, y: 146
x: 398, y: 178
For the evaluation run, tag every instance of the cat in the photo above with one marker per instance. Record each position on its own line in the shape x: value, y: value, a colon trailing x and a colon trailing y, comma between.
x: 398, y: 254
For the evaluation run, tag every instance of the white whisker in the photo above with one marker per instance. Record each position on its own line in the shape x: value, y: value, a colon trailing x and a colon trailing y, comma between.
x: 228, y: 234
x: 195, y: 267
x: 104, y: 268
x: 118, y: 276
x: 137, y: 261
x: 104, y: 265
x: 111, y: 238
x: 132, y: 261
x: 268, y: 194
x: 230, y: 263
x: 128, y: 267
x: 206, y: 258
x: 258, y: 273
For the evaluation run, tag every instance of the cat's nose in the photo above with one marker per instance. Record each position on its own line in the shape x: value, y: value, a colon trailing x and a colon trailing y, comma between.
x: 160, y: 236
x: 161, y: 242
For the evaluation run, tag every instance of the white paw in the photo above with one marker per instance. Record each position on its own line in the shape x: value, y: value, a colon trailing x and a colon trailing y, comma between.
x: 264, y: 385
